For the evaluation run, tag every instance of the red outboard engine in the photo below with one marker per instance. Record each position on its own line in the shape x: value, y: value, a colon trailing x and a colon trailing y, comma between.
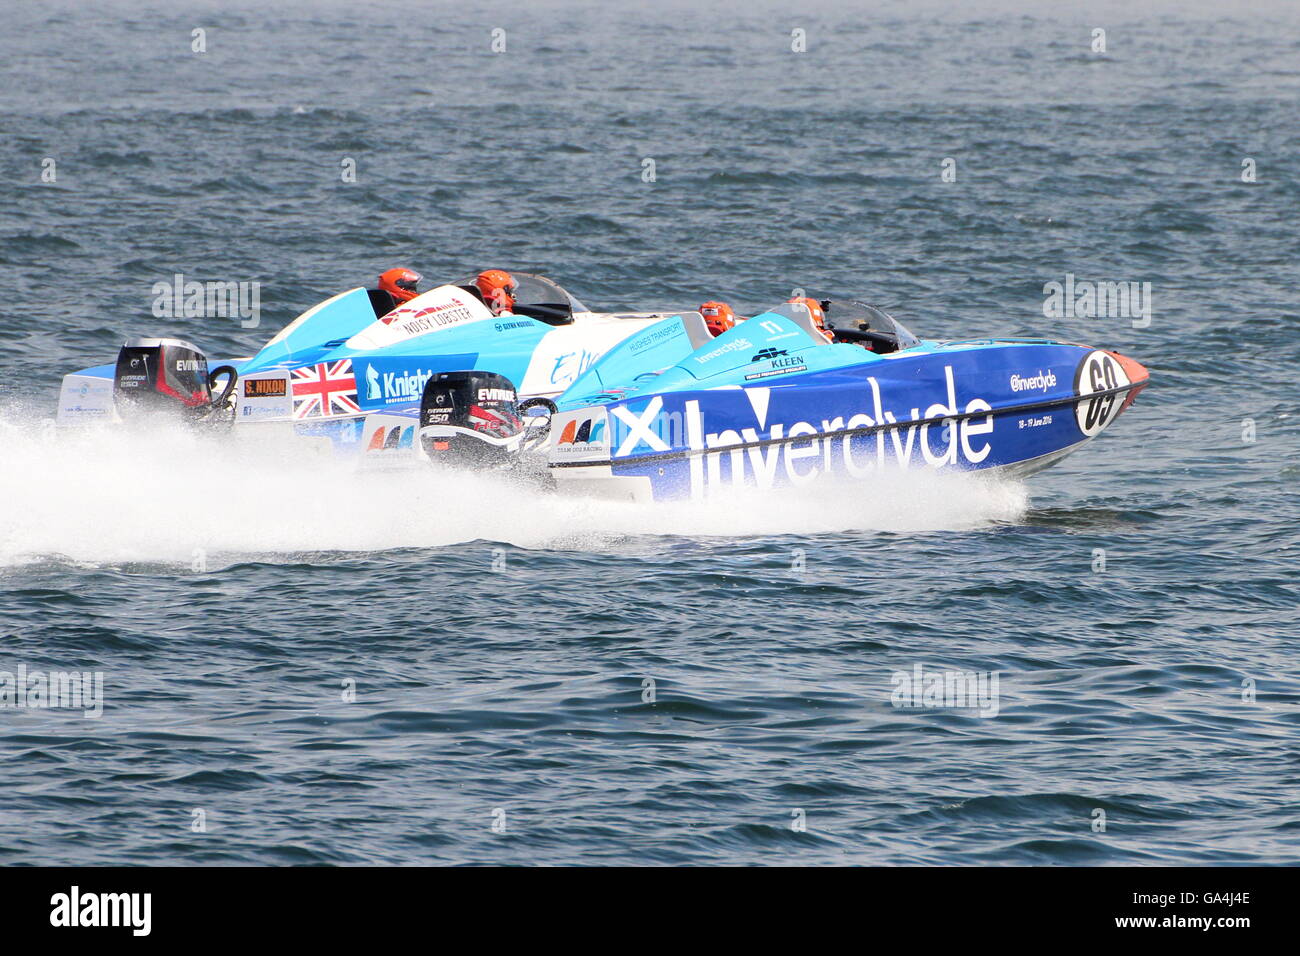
x: 170, y: 377
x: 470, y: 419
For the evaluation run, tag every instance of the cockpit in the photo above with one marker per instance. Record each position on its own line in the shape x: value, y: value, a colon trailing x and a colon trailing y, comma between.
x: 537, y: 297
x: 874, y: 329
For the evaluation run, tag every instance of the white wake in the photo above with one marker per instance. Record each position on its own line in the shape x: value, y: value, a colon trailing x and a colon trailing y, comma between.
x: 109, y: 496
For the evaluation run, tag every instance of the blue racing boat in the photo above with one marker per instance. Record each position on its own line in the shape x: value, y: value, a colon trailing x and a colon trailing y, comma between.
x: 673, y: 412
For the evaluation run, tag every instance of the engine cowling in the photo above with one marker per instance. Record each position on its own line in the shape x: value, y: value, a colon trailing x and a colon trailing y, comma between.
x: 470, y: 419
x: 168, y: 377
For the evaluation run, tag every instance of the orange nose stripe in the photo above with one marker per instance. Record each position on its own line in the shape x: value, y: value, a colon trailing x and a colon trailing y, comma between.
x: 1136, y: 371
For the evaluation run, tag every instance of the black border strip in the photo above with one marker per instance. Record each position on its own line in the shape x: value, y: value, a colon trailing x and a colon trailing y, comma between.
x: 358, y: 906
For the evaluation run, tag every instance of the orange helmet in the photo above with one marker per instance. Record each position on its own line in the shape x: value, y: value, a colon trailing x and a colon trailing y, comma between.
x: 818, y: 314
x: 718, y: 316
x: 400, y: 283
x: 496, y: 287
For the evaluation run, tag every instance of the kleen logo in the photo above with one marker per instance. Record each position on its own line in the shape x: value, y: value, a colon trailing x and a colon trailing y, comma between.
x: 779, y: 366
x: 1040, y: 382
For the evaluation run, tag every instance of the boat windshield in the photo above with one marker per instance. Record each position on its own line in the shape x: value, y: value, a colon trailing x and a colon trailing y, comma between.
x: 855, y: 321
x: 538, y: 298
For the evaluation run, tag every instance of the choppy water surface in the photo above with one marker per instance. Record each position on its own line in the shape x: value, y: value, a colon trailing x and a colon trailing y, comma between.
x: 617, y: 683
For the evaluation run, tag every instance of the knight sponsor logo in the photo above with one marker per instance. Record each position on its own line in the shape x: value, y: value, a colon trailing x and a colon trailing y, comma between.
x: 266, y: 387
x: 735, y: 345
x: 802, y: 450
x: 389, y: 387
x: 408, y: 386
x: 1034, y: 383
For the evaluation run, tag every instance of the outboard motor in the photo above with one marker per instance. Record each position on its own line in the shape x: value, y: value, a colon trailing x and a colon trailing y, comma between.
x: 170, y: 377
x: 470, y: 419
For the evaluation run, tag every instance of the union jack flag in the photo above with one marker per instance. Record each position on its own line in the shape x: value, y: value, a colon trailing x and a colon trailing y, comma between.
x: 325, y: 389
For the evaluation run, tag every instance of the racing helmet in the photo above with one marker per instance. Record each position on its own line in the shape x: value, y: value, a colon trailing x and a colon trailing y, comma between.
x: 496, y: 286
x: 718, y: 316
x: 817, y: 313
x: 402, y: 284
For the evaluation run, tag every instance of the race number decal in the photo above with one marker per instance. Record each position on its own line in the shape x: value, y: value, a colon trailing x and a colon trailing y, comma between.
x: 1098, y: 404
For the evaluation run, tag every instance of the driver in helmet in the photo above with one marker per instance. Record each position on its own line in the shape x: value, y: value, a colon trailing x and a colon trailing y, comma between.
x: 497, y: 287
x: 817, y: 313
x: 396, y: 286
x: 401, y: 283
x: 719, y: 317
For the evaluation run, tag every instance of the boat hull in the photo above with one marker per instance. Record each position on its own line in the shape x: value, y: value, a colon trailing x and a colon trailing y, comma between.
x: 1012, y: 407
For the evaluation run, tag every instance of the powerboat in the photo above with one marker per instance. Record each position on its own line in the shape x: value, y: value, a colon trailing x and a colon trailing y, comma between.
x: 646, y: 405
x: 672, y: 412
x: 352, y: 371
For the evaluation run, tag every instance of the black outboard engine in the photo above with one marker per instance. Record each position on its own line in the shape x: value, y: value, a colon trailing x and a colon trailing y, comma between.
x: 470, y: 419
x: 170, y: 377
